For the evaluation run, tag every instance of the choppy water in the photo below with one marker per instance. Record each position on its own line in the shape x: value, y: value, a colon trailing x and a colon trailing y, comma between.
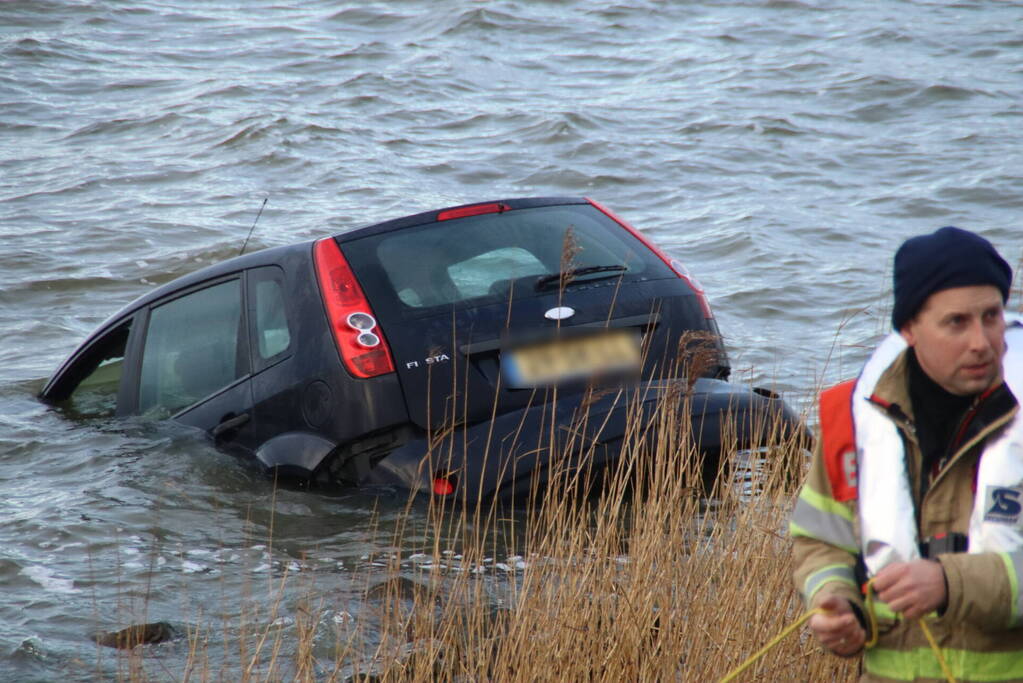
x: 782, y: 149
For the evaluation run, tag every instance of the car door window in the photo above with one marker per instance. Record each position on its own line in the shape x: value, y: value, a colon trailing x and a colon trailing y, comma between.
x: 100, y: 369
x: 192, y: 349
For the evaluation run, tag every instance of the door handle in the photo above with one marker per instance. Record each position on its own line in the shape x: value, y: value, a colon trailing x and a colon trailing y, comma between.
x: 229, y: 424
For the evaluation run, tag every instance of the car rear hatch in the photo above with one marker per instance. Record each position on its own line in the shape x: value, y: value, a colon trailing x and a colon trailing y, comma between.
x: 487, y: 307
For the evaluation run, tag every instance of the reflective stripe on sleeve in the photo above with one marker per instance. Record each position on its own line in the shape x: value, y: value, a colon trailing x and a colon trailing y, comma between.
x: 824, y: 519
x: 835, y: 572
x: 908, y: 665
x: 1014, y: 569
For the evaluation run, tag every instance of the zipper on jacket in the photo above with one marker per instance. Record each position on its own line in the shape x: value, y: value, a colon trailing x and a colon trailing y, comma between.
x: 965, y: 448
x: 964, y: 422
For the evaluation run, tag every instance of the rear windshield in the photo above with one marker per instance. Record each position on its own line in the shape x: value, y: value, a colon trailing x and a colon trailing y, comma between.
x: 491, y: 257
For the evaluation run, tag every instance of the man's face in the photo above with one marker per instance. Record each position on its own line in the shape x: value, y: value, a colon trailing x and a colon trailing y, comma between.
x: 959, y: 338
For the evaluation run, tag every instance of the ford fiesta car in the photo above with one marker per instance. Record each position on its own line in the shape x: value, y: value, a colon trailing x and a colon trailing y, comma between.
x: 457, y: 351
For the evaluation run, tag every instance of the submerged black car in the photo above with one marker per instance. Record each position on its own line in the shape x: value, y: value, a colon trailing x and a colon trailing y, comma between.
x: 456, y: 351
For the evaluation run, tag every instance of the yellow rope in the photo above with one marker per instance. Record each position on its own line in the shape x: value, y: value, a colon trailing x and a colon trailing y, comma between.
x: 869, y: 644
x: 765, y: 649
x: 923, y: 626
x: 937, y: 652
x: 870, y: 615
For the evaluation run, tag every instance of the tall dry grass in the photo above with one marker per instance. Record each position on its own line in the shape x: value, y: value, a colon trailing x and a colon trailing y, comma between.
x: 651, y: 579
x: 643, y: 577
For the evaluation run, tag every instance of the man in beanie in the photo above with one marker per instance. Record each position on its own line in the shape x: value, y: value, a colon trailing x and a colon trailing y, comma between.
x: 915, y: 492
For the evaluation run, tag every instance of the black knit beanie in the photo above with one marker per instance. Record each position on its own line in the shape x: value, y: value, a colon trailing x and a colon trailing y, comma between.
x: 944, y: 259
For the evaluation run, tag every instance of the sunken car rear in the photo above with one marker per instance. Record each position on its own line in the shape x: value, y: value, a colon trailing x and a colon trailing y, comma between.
x: 456, y: 351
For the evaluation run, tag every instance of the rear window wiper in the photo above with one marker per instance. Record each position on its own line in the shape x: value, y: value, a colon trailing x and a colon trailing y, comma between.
x: 569, y: 275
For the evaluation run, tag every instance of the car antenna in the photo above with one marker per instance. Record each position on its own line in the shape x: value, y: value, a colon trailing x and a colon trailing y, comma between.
x: 246, y: 242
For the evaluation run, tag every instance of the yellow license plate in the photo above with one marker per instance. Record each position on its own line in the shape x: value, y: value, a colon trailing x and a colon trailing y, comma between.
x: 573, y: 358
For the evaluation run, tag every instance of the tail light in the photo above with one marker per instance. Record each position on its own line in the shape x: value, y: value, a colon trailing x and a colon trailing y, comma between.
x: 676, y: 266
x: 359, y: 340
x: 443, y: 484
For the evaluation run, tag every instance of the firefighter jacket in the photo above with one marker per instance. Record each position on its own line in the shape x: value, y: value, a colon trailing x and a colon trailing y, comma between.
x: 840, y: 533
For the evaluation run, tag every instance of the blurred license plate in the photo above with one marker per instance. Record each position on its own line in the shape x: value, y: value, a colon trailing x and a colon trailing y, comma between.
x: 572, y: 358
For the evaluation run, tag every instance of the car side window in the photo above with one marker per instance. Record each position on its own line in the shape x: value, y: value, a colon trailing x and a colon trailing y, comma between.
x: 193, y: 348
x: 269, y: 313
x: 102, y: 366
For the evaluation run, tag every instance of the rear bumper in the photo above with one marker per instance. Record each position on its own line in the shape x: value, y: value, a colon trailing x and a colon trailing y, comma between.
x: 504, y: 457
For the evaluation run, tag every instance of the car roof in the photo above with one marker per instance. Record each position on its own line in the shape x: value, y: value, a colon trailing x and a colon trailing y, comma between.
x: 432, y: 216
x: 273, y: 255
x: 264, y: 257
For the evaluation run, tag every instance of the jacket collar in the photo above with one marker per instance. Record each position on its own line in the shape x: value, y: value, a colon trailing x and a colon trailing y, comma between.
x: 892, y: 389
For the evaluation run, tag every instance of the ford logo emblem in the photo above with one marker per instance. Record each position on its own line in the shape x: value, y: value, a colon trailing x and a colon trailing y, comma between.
x: 559, y: 313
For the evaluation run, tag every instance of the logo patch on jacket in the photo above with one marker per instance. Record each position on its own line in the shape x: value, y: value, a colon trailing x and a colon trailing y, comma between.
x: 1003, y: 504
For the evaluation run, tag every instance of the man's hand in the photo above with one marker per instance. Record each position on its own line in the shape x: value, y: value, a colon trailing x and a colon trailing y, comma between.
x: 912, y: 589
x: 837, y: 628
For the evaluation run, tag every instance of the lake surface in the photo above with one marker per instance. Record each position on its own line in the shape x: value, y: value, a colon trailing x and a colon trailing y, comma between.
x: 781, y: 149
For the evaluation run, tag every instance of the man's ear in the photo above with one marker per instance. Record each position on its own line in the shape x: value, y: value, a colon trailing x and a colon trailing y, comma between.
x: 907, y: 333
